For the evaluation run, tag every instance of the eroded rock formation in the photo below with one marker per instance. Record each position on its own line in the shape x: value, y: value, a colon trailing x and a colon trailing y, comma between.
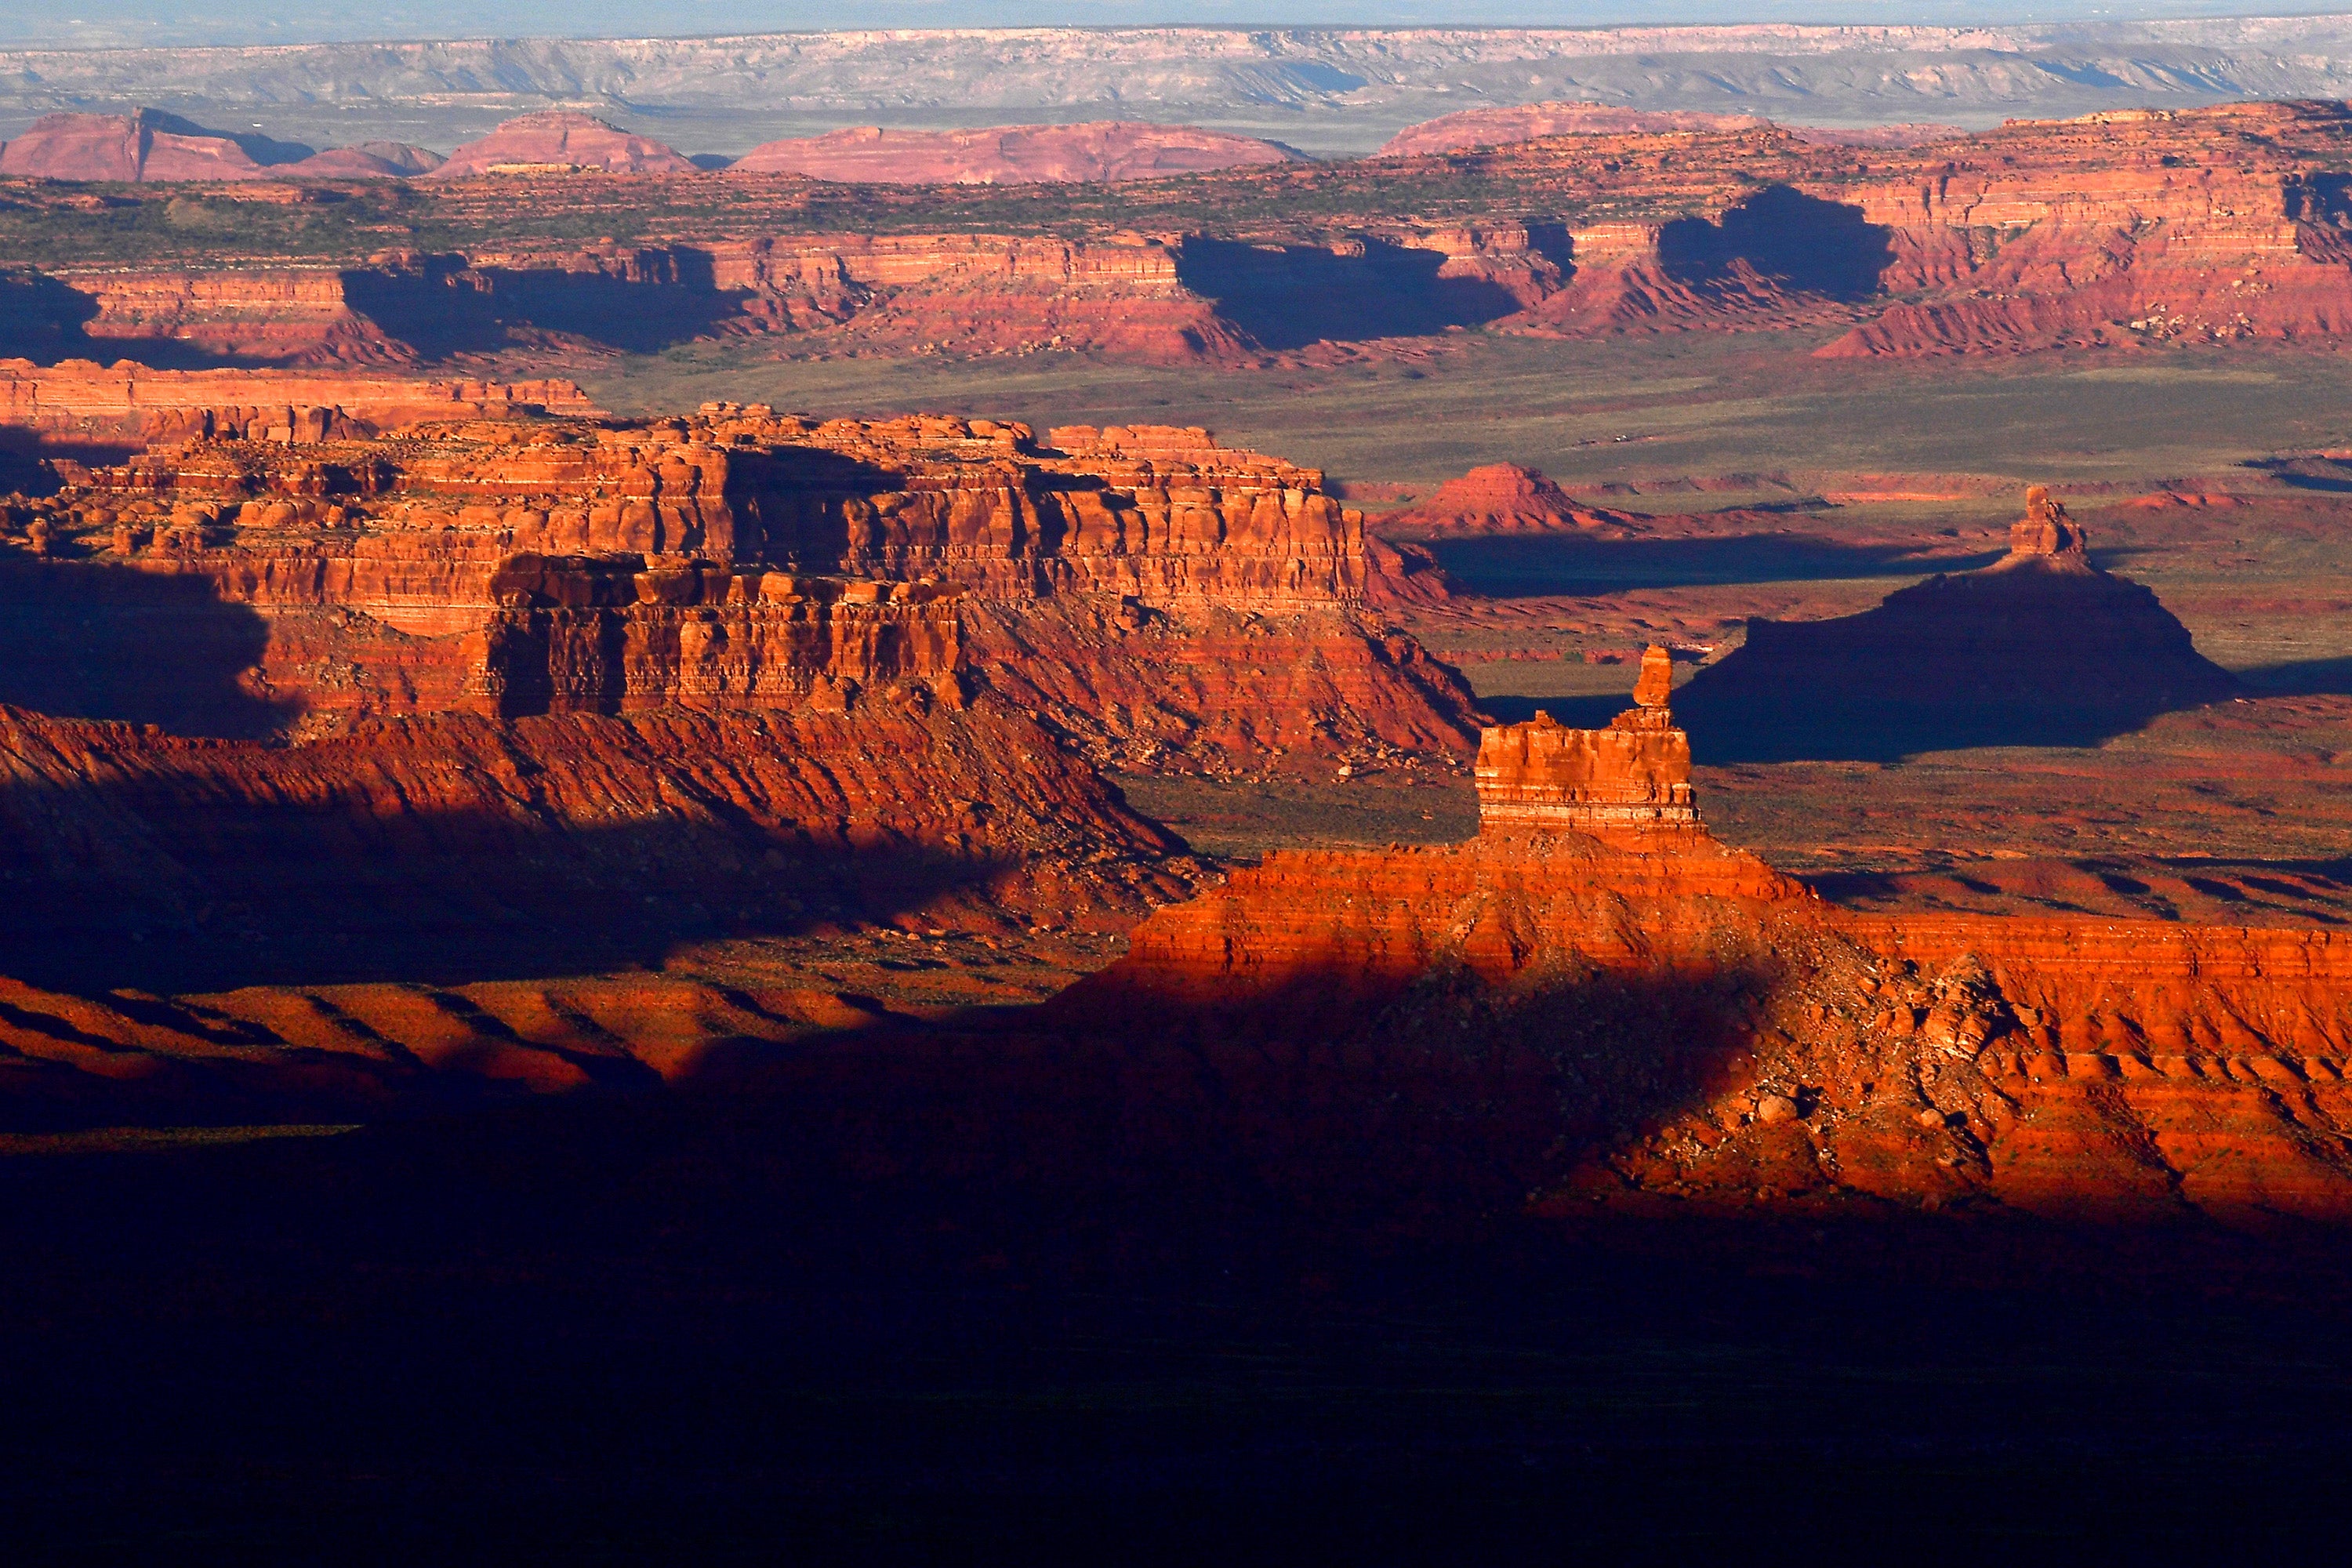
x: 2221, y: 224
x: 1634, y: 776
x: 561, y: 142
x: 1717, y: 1033
x: 148, y: 146
x: 141, y: 145
x: 1153, y: 593
x: 1500, y: 498
x: 1010, y: 154
x: 81, y: 400
x: 1531, y: 121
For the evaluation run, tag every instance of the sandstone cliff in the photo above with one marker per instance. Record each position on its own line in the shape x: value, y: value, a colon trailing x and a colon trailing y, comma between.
x: 80, y: 401
x: 2205, y: 224
x: 1153, y: 594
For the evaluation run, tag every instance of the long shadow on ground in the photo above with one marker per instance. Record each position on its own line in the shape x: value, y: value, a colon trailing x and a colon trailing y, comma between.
x: 1538, y: 566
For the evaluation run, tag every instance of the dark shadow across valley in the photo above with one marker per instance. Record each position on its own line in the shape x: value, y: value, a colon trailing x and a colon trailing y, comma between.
x: 443, y: 305
x: 87, y: 639
x: 1526, y: 566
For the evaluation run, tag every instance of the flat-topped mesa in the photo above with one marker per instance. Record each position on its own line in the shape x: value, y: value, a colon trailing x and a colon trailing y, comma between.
x: 1151, y: 592
x: 1631, y: 777
x: 2046, y: 534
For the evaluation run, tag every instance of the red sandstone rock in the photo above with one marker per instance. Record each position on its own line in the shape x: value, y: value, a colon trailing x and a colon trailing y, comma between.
x: 557, y: 141
x: 2045, y: 532
x: 80, y: 400
x: 366, y: 160
x: 1529, y: 122
x: 1634, y: 776
x: 1011, y: 154
x: 1151, y: 594
x: 142, y: 146
x: 1500, y: 498
x: 2207, y: 224
x: 1756, y: 1044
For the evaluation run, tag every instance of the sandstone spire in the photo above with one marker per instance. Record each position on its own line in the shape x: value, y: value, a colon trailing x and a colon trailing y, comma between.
x: 1634, y: 776
x: 1657, y: 678
x: 2045, y: 529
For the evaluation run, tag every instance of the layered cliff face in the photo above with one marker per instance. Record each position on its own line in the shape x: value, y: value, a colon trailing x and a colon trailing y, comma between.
x: 1155, y: 594
x: 79, y: 401
x: 2197, y: 225
x: 2041, y: 648
x: 1715, y: 1034
x: 1634, y: 776
x: 1010, y: 154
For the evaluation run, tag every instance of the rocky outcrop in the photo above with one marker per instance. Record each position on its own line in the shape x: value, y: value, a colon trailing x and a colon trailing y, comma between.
x: 1531, y: 121
x: 1500, y: 498
x: 128, y: 148
x: 1634, y: 776
x: 1153, y: 594
x: 561, y: 142
x: 366, y: 160
x: 1104, y: 150
x: 1718, y: 1035
x: 2041, y: 647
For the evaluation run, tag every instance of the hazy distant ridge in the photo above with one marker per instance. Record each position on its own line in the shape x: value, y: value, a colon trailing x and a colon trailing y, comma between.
x: 1332, y: 87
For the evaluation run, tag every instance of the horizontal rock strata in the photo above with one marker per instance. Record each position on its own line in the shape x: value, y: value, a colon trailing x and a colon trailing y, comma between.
x: 1153, y: 593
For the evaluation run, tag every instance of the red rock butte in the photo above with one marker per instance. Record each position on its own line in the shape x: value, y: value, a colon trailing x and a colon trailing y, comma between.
x: 2134, y: 1068
x: 1104, y: 150
x: 2041, y: 646
x: 1529, y: 122
x: 561, y: 142
x: 145, y: 146
x: 1634, y: 776
x: 1500, y: 498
